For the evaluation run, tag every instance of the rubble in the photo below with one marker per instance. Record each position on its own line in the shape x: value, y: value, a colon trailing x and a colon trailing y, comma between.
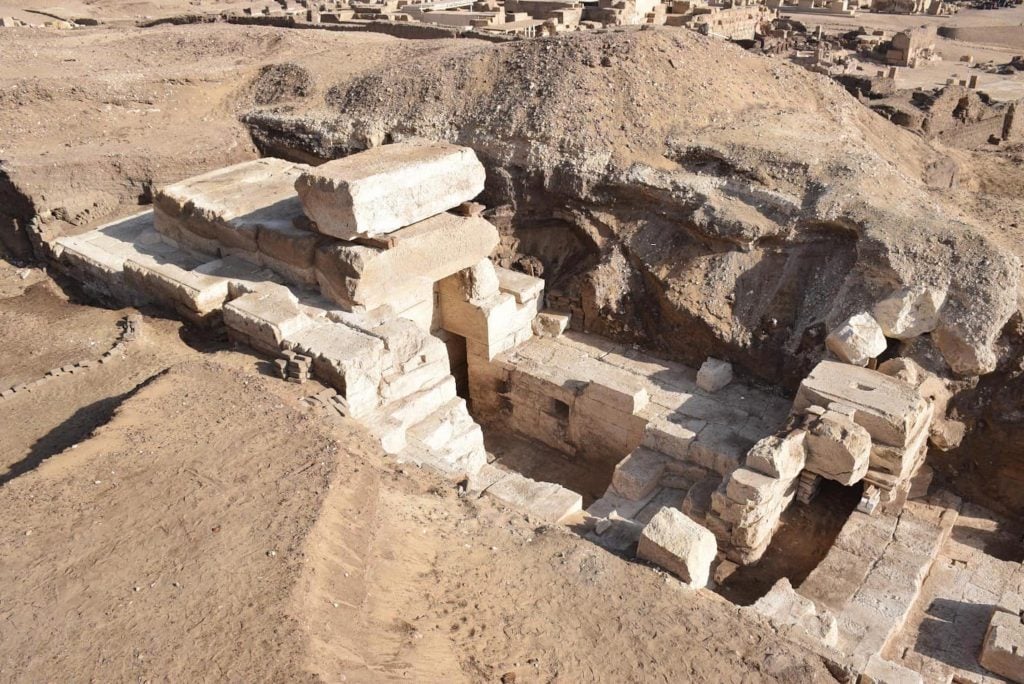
x: 858, y: 340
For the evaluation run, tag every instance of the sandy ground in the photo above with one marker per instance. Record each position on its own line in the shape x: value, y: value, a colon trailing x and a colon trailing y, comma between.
x: 178, y: 515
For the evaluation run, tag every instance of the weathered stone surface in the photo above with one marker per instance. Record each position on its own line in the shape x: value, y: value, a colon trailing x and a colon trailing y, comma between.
x: 714, y: 374
x: 421, y: 254
x: 909, y: 312
x: 550, y: 324
x: 858, y: 340
x: 480, y: 280
x: 838, y: 448
x: 267, y: 316
x: 1002, y: 651
x: 389, y: 187
x: 637, y: 475
x: 748, y: 486
x: 779, y: 457
x: 544, y: 500
x: 675, y: 542
x: 881, y: 671
x: 231, y: 205
x: 521, y: 286
x: 785, y: 607
x: 887, y: 407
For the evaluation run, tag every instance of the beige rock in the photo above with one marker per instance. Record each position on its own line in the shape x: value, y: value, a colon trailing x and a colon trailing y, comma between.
x: 779, y: 457
x: 714, y: 374
x: 785, y: 607
x: 479, y: 281
x: 267, y: 316
x: 910, y: 312
x: 230, y: 205
x: 545, y: 500
x: 637, y: 475
x: 1002, y: 651
x: 838, y: 448
x: 389, y: 187
x: 888, y: 408
x: 881, y: 671
x: 858, y: 340
x: 749, y: 486
x: 680, y: 545
x: 521, y: 286
x: 421, y: 254
x: 550, y: 324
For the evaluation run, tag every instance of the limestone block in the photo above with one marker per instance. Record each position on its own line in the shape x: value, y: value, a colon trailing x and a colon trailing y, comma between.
x: 881, y: 671
x: 601, y: 431
x: 838, y: 448
x: 887, y: 407
x: 858, y: 340
x: 909, y: 312
x: 267, y: 316
x: 550, y: 324
x: 546, y: 501
x: 720, y: 447
x: 779, y: 457
x: 389, y: 187
x: 679, y: 545
x: 785, y: 607
x: 966, y: 350
x: 671, y: 434
x: 637, y: 475
x: 287, y: 244
x: 349, y: 360
x: 628, y: 398
x: 230, y: 205
x: 749, y: 486
x: 479, y: 281
x: 420, y: 255
x: 174, y: 286
x: 521, y: 286
x: 415, y: 408
x: 398, y: 383
x: 714, y: 374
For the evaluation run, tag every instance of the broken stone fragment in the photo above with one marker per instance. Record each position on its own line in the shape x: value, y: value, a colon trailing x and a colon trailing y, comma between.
x: 676, y: 543
x: 479, y: 281
x: 389, y: 187
x: 1002, y: 651
x: 784, y: 607
x: 838, y: 448
x: 858, y: 340
x: 550, y: 324
x: 910, y: 312
x: 714, y: 374
x: 779, y: 457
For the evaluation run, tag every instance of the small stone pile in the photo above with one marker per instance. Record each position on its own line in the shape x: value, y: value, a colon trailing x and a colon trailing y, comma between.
x: 294, y: 367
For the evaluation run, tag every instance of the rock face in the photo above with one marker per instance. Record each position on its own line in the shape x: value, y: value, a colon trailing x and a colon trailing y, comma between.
x: 388, y: 188
x: 698, y: 225
x: 678, y: 544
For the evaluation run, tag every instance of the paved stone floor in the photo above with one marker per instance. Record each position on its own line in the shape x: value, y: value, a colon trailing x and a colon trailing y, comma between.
x: 944, y: 632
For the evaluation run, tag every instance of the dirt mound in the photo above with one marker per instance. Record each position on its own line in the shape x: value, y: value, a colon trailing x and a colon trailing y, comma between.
x: 277, y: 83
x: 679, y: 191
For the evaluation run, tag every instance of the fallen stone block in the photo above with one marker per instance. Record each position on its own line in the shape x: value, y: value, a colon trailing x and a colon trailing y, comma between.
x: 550, y: 324
x: 779, y: 457
x: 858, y: 340
x: 676, y: 543
x: 714, y: 374
x: 424, y: 253
x: 909, y: 312
x: 838, y: 448
x: 388, y: 187
x: 637, y: 475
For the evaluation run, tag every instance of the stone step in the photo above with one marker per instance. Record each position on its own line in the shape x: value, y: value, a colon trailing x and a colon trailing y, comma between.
x: 546, y: 501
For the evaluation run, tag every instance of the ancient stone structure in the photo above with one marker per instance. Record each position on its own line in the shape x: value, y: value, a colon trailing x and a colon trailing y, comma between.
x: 372, y: 275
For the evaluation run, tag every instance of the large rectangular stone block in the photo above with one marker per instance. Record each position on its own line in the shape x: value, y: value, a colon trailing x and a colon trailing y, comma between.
x: 887, y: 407
x: 420, y: 255
x: 680, y: 545
x: 389, y: 187
x: 230, y: 206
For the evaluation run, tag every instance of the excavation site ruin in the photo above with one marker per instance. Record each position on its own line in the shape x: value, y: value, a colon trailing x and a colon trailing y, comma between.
x: 512, y: 341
